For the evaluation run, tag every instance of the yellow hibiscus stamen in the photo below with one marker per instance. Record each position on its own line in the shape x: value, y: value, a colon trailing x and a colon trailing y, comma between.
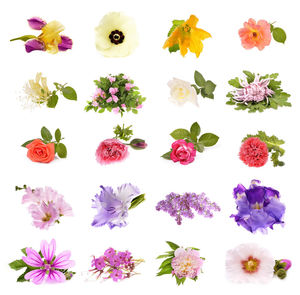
x: 50, y: 36
x: 188, y: 36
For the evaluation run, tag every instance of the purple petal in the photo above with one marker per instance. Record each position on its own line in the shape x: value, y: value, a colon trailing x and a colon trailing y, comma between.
x: 66, y: 43
x: 36, y: 23
x: 48, y: 250
x: 33, y: 258
x: 34, y: 44
x: 37, y: 276
x: 55, y: 277
x: 62, y: 260
x: 256, y: 195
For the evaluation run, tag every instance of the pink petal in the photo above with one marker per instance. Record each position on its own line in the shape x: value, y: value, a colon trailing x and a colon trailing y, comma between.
x: 37, y: 276
x: 62, y: 260
x: 33, y: 258
x: 48, y: 250
x: 55, y: 277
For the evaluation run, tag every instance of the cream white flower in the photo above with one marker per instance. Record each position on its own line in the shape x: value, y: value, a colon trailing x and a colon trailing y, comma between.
x: 182, y: 91
x: 248, y: 263
x: 36, y: 91
x: 116, y: 35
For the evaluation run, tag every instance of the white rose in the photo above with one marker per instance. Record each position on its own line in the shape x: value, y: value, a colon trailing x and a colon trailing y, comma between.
x: 182, y: 91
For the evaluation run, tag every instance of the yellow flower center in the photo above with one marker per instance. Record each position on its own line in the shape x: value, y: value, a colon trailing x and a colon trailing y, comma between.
x: 47, y: 217
x: 187, y: 28
x: 251, y: 265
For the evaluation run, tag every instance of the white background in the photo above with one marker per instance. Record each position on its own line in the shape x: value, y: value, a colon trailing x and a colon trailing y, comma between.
x: 217, y: 171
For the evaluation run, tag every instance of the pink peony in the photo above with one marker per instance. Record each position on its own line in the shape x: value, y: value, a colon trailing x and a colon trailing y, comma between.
x: 111, y: 150
x: 183, y: 152
x: 255, y: 34
x: 186, y: 263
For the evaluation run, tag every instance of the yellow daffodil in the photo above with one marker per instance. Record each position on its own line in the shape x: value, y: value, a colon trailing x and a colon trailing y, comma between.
x: 187, y: 36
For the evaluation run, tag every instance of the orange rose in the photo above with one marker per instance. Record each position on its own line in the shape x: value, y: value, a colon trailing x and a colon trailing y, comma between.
x: 40, y: 152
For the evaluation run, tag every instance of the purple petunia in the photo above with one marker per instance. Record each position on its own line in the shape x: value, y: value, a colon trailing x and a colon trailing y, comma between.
x: 113, y: 206
x: 259, y: 207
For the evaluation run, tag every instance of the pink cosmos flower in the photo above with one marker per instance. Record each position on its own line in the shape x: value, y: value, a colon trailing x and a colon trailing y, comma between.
x: 128, y: 86
x: 256, y: 91
x: 255, y: 34
x: 111, y: 79
x: 48, y: 270
x: 183, y: 151
x: 186, y: 263
x: 111, y: 150
x: 43, y: 215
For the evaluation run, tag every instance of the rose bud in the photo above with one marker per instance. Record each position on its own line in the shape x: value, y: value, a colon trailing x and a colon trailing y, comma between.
x: 281, y: 273
x: 286, y: 263
x: 138, y: 144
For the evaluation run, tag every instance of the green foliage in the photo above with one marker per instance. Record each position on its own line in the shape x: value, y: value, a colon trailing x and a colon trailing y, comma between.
x: 137, y: 201
x: 205, y: 88
x: 274, y: 146
x: 17, y: 264
x: 69, y: 93
x: 205, y: 140
x: 61, y: 150
x: 172, y: 245
x: 123, y: 133
x: 279, y: 34
x: 52, y: 100
x: 24, y: 38
x: 278, y: 99
x: 174, y: 48
x: 176, y: 23
x: 131, y: 99
x: 46, y: 134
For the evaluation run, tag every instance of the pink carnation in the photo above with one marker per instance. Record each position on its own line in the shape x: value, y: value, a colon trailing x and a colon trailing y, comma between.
x: 183, y: 151
x: 111, y: 150
x: 186, y: 263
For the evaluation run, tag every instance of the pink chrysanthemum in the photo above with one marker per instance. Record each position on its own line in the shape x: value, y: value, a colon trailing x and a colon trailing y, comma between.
x: 254, y: 152
x: 256, y: 91
x: 186, y: 263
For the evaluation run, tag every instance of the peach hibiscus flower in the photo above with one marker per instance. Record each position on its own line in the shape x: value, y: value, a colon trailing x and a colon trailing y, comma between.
x: 255, y: 34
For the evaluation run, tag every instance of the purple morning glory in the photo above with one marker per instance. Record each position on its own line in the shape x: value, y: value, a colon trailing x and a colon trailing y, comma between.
x: 113, y: 206
x: 259, y: 207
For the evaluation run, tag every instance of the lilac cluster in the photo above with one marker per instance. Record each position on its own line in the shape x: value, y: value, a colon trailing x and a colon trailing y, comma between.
x: 115, y: 265
x: 179, y: 206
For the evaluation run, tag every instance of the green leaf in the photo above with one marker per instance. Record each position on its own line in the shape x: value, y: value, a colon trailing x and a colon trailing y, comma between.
x: 180, y: 134
x: 235, y: 82
x: 52, y: 101
x: 195, y: 131
x: 166, y: 270
x: 199, y: 80
x: 134, y: 111
x: 24, y: 251
x: 137, y: 200
x: 166, y: 262
x: 174, y: 48
x: 57, y: 135
x: 17, y: 264
x: 21, y: 278
x: 167, y: 155
x: 172, y: 245
x: 180, y: 281
x: 27, y: 142
x: 61, y: 150
x: 279, y: 35
x: 199, y: 147
x: 69, y: 93
x: 250, y: 76
x: 208, y: 139
x: 46, y: 134
x: 24, y: 38
x: 196, y: 88
x: 209, y: 87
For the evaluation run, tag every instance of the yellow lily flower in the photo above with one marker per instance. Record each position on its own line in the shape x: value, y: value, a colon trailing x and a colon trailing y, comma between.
x: 188, y: 36
x: 50, y: 36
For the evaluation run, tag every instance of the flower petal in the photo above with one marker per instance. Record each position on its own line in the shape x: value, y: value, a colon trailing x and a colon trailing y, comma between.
x: 36, y: 276
x: 62, y: 260
x: 48, y: 250
x: 66, y: 43
x: 34, y: 44
x: 33, y: 258
x: 55, y: 277
x: 36, y: 23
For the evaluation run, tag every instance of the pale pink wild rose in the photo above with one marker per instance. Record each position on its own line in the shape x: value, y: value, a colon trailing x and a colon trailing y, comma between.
x: 187, y: 263
x: 128, y: 86
x: 47, y: 270
x: 111, y: 79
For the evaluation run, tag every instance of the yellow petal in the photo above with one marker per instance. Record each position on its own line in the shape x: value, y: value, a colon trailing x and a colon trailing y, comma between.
x: 192, y: 21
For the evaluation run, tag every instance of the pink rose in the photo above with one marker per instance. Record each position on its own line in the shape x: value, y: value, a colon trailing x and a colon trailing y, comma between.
x: 111, y: 150
x: 183, y: 152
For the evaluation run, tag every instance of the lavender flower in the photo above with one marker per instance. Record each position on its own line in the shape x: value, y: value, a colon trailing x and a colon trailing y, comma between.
x: 256, y: 91
x: 258, y: 207
x: 113, y: 206
x: 179, y: 206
